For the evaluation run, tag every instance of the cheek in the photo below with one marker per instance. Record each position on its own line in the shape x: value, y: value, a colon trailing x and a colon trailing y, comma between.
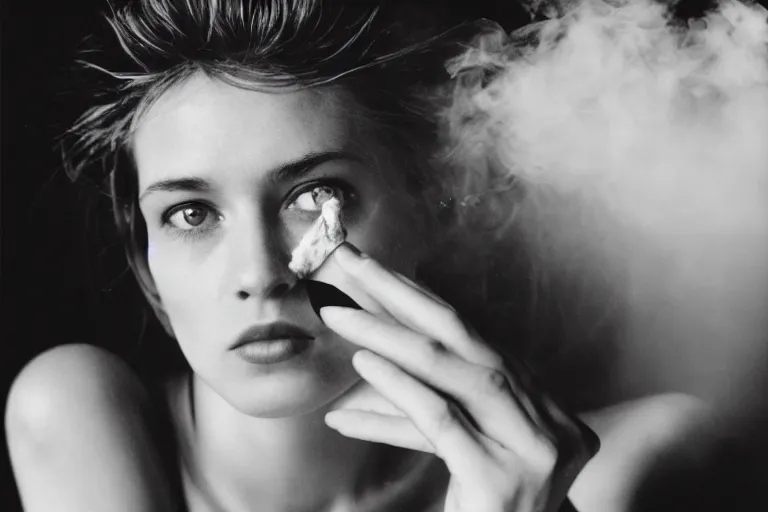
x: 163, y: 273
x: 179, y: 282
x: 391, y: 236
x: 186, y: 300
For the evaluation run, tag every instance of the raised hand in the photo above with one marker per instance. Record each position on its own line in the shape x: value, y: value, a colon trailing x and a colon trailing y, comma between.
x: 507, y: 446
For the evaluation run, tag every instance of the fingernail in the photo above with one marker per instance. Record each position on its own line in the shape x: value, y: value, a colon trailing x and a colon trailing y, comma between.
x: 323, y: 294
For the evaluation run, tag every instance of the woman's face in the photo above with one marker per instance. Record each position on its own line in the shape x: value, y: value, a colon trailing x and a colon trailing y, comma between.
x: 225, y: 185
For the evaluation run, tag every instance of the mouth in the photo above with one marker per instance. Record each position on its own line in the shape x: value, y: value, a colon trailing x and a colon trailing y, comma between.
x: 272, y: 332
x: 267, y: 344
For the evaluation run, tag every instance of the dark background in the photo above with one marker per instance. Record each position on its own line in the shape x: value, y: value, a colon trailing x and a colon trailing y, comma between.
x: 64, y: 278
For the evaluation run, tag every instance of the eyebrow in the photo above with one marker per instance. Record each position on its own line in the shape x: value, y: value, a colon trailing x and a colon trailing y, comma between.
x: 285, y: 172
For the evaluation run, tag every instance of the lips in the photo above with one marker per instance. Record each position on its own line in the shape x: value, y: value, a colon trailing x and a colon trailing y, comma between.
x: 271, y: 332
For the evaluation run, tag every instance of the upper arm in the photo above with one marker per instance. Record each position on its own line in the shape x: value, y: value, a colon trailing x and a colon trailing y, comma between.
x: 78, y: 435
x: 633, y: 436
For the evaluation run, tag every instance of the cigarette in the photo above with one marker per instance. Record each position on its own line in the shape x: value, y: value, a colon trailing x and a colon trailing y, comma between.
x: 325, y: 235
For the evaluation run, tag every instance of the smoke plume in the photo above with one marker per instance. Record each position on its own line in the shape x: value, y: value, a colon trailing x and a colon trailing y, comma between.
x: 642, y: 144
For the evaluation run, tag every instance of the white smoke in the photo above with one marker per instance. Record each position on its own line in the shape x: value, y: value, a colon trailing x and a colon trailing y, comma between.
x: 644, y: 147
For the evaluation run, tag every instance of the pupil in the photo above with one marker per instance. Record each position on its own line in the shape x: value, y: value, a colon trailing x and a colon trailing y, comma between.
x: 193, y: 216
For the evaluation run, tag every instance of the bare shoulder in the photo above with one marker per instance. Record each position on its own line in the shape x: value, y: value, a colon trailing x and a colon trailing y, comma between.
x: 71, y: 380
x: 77, y: 424
x: 633, y: 436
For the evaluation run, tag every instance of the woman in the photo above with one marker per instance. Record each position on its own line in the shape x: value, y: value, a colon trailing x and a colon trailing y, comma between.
x: 232, y: 115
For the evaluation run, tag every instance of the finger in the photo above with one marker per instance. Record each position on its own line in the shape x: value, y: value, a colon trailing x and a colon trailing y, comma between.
x: 365, y: 397
x: 421, y: 288
x: 485, y: 393
x: 439, y: 421
x: 414, y: 307
x: 424, y: 314
x: 379, y: 428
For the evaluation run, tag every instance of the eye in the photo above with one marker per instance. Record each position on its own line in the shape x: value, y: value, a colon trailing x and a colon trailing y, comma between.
x: 313, y: 198
x: 188, y: 217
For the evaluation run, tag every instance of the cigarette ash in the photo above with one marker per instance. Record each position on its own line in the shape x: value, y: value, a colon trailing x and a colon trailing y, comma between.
x: 325, y: 235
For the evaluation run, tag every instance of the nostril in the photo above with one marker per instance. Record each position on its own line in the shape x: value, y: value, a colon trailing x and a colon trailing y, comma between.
x: 276, y: 291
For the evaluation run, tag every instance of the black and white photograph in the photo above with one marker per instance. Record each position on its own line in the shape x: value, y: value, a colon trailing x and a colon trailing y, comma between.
x: 384, y: 255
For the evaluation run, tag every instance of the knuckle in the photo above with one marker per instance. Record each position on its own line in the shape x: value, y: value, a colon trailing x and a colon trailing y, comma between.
x: 446, y: 415
x: 492, y: 382
x: 436, y: 349
x: 496, y: 380
x: 434, y: 353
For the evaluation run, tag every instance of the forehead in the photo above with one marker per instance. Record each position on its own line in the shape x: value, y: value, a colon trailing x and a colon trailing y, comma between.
x: 204, y: 125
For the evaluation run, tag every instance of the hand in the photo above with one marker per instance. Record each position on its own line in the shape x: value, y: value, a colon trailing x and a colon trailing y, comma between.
x: 507, y: 446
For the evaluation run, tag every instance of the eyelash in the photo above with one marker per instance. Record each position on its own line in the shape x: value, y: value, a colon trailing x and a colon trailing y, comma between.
x: 193, y: 231
x: 347, y: 194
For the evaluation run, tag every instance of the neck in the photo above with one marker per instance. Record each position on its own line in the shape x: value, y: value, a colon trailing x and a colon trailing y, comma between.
x: 296, y: 463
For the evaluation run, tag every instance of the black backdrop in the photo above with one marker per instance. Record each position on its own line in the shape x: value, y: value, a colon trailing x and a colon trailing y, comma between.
x: 63, y: 276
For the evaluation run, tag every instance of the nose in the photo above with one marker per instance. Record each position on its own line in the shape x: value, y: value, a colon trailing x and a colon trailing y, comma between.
x: 259, y: 262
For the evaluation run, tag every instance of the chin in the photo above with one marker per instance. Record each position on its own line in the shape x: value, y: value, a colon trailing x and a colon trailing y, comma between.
x: 287, y: 395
